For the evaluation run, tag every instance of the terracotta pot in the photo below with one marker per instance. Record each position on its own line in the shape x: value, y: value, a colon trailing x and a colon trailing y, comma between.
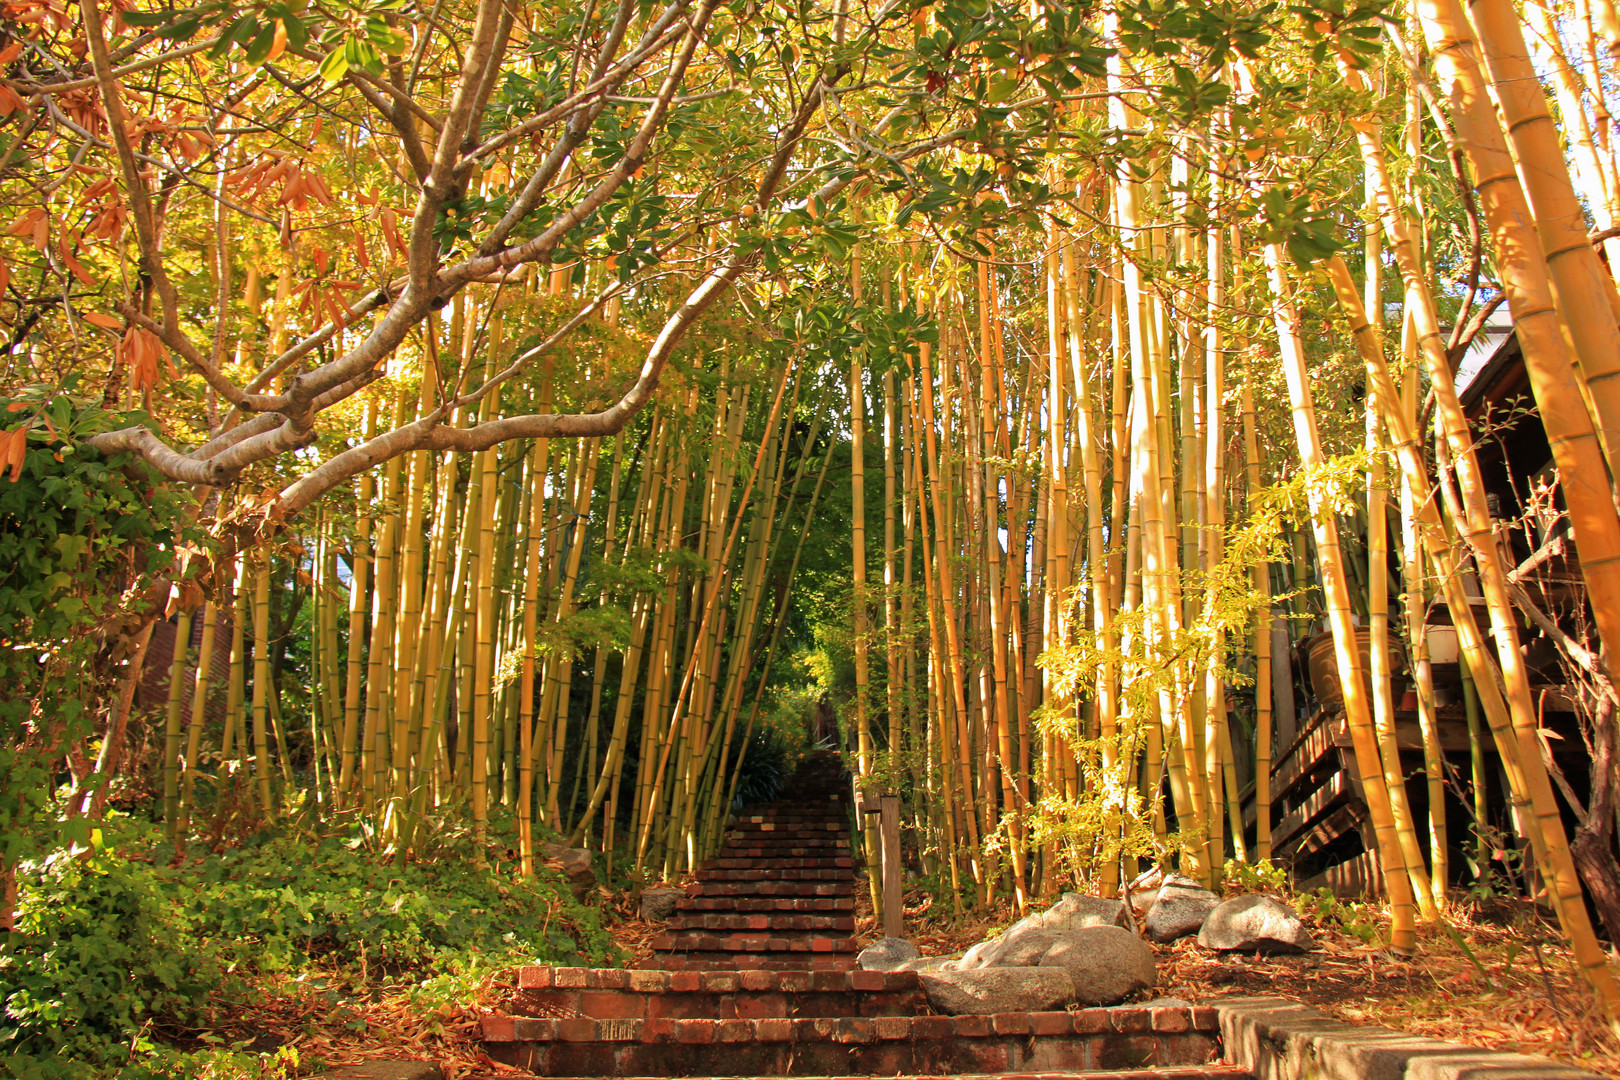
x: 1324, y: 664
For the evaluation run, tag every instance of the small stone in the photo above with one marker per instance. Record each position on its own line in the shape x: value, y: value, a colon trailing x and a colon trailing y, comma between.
x: 1106, y: 963
x: 886, y: 954
x: 1255, y: 924
x: 997, y: 990
x: 575, y: 864
x: 1180, y: 909
x: 658, y: 904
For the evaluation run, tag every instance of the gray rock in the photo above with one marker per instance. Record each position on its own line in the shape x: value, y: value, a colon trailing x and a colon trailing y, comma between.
x: 976, y: 956
x: 1143, y: 890
x: 1018, y: 947
x: 1107, y: 963
x: 930, y: 963
x: 575, y: 864
x: 997, y: 990
x: 886, y: 954
x: 1076, y: 911
x: 1180, y: 909
x: 658, y: 904
x: 1071, y: 912
x: 1255, y: 924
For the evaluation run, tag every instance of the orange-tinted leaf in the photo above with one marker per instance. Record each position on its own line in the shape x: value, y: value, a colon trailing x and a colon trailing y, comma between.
x: 78, y: 270
x: 16, y: 406
x: 14, y: 451
x: 10, y: 52
x: 103, y: 320
x: 278, y: 41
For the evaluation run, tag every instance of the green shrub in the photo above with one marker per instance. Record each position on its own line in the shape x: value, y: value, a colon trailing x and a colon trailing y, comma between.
x: 291, y: 899
x: 98, y: 951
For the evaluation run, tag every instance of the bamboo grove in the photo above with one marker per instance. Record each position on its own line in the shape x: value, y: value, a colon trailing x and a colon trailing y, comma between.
x: 1102, y: 392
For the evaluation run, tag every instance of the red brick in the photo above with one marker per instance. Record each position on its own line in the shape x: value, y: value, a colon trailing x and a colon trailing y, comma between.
x: 609, y: 1031
x: 759, y: 1006
x: 987, y: 1057
x: 531, y: 977
x: 971, y: 1027
x: 1206, y: 1018
x: 612, y: 1005
x: 733, y: 1031
x: 827, y: 981
x: 659, y: 1030
x: 535, y: 1030
x: 892, y: 1027
x: 696, y: 1031
x: 1050, y: 1023
x: 577, y: 1030
x: 868, y: 980
x: 777, y: 1029
x: 1131, y: 1021
x: 720, y: 982
x: 1091, y: 1022
x: 613, y: 978
x: 757, y: 981
x: 570, y: 978
x: 808, y: 1029
x: 1010, y: 1023
x: 498, y: 1029
x: 852, y: 1030
x: 1172, y: 1020
x: 685, y: 982
x: 932, y: 1027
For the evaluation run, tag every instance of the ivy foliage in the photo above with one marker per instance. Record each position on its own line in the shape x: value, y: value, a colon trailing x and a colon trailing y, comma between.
x: 107, y: 946
x: 80, y: 533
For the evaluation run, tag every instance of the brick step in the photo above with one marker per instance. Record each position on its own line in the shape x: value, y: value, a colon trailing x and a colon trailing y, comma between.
x: 807, y: 862
x: 809, y: 873
x: 747, y: 941
x: 736, y: 961
x: 616, y: 994
x: 773, y: 921
x: 798, y: 904
x: 786, y: 820
x: 775, y: 888
x: 783, y: 849
x: 1046, y: 1042
x: 771, y: 829
x: 794, y: 837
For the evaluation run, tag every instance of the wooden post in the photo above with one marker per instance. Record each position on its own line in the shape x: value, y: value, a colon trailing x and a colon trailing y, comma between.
x: 887, y: 810
x: 893, y: 916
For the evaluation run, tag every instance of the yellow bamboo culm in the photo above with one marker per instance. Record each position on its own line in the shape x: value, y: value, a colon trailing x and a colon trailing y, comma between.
x: 1336, y: 601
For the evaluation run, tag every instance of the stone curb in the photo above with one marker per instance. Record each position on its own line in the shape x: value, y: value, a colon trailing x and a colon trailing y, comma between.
x: 1277, y: 1039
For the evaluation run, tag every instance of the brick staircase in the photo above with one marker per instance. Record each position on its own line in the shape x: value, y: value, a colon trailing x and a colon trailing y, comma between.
x: 781, y: 893
x: 755, y: 977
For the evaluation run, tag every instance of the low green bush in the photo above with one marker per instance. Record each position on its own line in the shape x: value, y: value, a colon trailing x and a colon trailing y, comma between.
x: 111, y: 952
x: 100, y: 948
